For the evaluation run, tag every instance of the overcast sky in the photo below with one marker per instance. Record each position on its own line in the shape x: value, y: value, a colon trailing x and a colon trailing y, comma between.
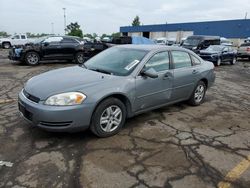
x: 106, y: 16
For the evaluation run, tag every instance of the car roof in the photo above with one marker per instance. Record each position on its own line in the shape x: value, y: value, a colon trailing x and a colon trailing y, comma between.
x: 153, y: 47
x: 204, y: 37
x: 69, y: 37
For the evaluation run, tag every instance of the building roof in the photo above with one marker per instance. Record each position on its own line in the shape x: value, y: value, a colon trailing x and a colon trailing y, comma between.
x: 225, y: 28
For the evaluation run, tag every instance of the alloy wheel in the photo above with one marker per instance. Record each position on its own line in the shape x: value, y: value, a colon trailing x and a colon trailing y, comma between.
x: 32, y: 59
x: 111, y: 118
x: 199, y: 93
x: 80, y: 58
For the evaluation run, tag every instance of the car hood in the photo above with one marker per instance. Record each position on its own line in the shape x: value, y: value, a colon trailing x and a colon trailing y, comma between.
x: 63, y: 80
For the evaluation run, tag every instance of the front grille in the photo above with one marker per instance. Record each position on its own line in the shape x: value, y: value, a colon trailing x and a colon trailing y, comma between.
x: 31, y: 97
x: 56, y: 124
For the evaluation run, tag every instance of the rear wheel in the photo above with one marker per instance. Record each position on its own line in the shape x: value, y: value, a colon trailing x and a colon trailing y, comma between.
x: 79, y: 57
x: 32, y: 58
x: 198, y: 94
x: 6, y: 45
x: 233, y: 61
x: 108, y: 118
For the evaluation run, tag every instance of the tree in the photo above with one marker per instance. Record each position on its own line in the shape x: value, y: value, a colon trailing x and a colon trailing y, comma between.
x: 73, y: 29
x: 136, y: 21
x: 33, y: 35
x: 4, y: 34
x: 88, y: 35
x: 116, y: 34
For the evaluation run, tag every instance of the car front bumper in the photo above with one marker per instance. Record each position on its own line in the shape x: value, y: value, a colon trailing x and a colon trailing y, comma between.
x: 209, y: 58
x: 15, y: 54
x: 55, y: 118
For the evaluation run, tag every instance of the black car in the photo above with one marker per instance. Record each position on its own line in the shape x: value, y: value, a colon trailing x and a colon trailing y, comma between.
x: 50, y: 48
x: 218, y: 54
x: 200, y: 42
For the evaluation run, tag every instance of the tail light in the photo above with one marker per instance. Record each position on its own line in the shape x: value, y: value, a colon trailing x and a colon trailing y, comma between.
x: 248, y: 49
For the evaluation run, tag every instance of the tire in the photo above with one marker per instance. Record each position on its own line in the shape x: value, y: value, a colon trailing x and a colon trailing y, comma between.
x: 113, y: 113
x: 32, y: 58
x: 198, y: 96
x: 218, y: 62
x: 79, y: 57
x: 233, y: 62
x: 6, y: 45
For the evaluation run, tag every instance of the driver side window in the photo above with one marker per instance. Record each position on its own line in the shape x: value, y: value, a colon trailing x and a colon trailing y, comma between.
x: 159, y: 62
x: 53, y: 40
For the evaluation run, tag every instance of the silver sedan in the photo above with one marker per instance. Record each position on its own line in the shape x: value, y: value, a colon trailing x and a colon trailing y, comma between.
x: 116, y: 84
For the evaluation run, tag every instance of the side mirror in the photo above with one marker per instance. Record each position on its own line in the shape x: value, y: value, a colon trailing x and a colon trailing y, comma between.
x: 151, y: 73
x: 46, y: 43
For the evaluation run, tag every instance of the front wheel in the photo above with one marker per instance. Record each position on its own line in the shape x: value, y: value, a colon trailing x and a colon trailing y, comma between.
x: 6, y: 45
x: 108, y: 118
x: 198, y: 94
x: 32, y: 58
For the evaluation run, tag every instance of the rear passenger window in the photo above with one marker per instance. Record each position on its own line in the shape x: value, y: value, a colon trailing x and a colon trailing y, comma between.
x: 23, y: 37
x: 196, y: 61
x: 159, y: 62
x: 67, y: 40
x: 181, y: 59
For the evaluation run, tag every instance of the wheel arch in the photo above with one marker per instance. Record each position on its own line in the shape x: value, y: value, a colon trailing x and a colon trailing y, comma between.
x: 122, y: 97
x: 205, y: 81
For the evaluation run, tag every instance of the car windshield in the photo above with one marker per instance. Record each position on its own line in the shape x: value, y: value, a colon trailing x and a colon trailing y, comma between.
x: 215, y: 48
x: 160, y: 41
x: 116, y: 61
x: 39, y: 40
x: 191, y: 42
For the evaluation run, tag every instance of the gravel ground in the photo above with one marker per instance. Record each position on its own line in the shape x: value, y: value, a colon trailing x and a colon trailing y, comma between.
x: 176, y: 146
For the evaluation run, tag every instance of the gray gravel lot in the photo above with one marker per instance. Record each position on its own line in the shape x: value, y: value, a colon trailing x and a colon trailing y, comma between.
x: 175, y: 146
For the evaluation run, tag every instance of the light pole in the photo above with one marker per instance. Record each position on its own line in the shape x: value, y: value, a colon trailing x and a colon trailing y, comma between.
x: 52, y: 28
x: 64, y: 16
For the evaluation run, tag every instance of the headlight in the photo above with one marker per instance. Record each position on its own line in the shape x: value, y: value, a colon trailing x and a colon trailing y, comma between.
x: 66, y: 99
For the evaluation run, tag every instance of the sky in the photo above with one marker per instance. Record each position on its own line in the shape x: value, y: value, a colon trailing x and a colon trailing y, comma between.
x: 106, y: 16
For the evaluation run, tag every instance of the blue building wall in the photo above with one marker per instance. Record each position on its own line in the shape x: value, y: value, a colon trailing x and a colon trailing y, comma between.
x: 226, y: 28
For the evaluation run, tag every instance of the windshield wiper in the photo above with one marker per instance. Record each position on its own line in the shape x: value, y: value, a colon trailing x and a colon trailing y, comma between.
x: 101, y: 70
x: 84, y: 66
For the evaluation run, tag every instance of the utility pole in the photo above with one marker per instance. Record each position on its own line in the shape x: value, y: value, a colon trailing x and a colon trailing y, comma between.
x: 52, y: 28
x: 64, y: 16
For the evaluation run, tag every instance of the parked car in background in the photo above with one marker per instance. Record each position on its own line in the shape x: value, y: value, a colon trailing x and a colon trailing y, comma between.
x: 224, y: 41
x: 219, y: 54
x: 244, y: 50
x: 118, y: 83
x: 200, y: 42
x: 93, y: 48
x: 15, y: 40
x: 165, y: 41
x: 247, y: 40
x: 50, y: 48
x: 161, y: 41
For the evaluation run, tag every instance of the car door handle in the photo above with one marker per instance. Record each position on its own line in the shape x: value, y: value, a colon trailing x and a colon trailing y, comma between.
x: 167, y: 75
x: 195, y: 72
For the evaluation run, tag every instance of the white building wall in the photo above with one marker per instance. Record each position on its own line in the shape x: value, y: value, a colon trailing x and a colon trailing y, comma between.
x: 135, y: 34
x: 156, y: 35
